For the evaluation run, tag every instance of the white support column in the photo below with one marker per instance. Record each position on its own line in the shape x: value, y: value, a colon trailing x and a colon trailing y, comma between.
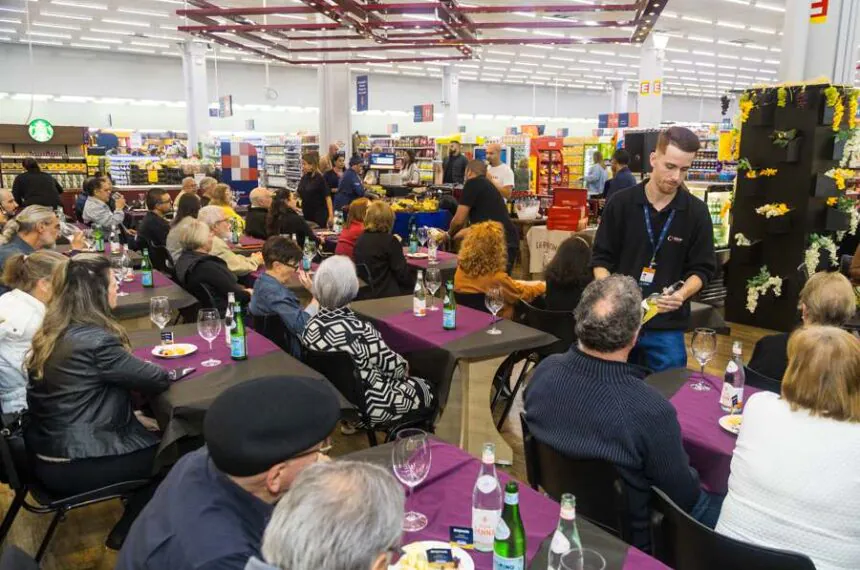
x: 618, y: 92
x: 196, y: 96
x: 650, y: 106
x: 450, y: 105
x: 825, y: 47
x: 335, y: 88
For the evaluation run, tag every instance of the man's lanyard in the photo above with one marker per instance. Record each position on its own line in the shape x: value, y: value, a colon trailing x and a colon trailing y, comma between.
x: 655, y: 247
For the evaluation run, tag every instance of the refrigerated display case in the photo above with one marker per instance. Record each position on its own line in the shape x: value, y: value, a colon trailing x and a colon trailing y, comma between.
x: 551, y: 172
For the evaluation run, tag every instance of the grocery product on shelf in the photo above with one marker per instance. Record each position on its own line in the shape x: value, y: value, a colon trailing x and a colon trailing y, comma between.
x: 69, y: 171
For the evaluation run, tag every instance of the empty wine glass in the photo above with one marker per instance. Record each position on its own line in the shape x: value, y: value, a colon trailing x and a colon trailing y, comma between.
x: 159, y: 312
x: 118, y: 269
x: 582, y: 559
x: 410, y: 461
x: 209, y: 327
x: 433, y: 280
x: 494, y: 302
x: 89, y: 240
x: 423, y: 235
x: 703, y: 345
x: 432, y: 250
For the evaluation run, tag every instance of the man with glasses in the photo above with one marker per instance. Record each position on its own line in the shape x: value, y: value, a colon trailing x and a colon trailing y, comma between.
x: 211, y: 510
x: 153, y: 229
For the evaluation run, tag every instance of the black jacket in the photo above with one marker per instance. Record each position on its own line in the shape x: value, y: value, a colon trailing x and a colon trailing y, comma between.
x: 622, y: 179
x: 153, y: 230
x: 37, y: 187
x: 454, y: 169
x: 255, y: 222
x: 562, y: 298
x: 770, y: 356
x: 382, y: 254
x: 195, y: 269
x: 82, y: 408
x: 293, y: 223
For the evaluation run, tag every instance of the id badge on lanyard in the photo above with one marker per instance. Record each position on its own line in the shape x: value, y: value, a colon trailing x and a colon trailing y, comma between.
x: 650, y: 271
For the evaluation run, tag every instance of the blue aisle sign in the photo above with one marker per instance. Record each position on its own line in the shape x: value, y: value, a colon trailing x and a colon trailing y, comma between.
x: 361, y: 95
x: 422, y: 113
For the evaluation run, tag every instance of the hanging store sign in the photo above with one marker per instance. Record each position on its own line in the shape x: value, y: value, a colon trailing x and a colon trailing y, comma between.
x: 392, y: 128
x: 423, y: 113
x: 362, y: 97
x: 562, y: 132
x: 657, y: 88
x: 644, y: 87
x: 818, y: 11
x: 40, y: 130
x: 225, y: 106
x: 617, y: 120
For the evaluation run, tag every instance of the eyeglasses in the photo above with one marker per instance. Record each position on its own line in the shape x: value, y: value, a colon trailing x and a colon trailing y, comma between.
x: 324, y: 449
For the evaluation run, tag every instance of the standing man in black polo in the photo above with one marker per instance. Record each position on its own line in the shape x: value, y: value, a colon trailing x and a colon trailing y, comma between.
x: 454, y: 166
x: 658, y: 233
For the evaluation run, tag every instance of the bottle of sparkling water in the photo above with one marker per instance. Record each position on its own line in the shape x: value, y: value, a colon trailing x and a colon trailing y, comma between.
x: 337, y: 227
x: 486, y: 501
x: 732, y: 396
x: 238, y: 339
x: 114, y: 240
x: 413, y: 239
x: 509, y: 547
x: 308, y: 253
x: 145, y: 269
x: 449, y: 309
x: 228, y: 318
x: 419, y: 298
x: 98, y: 238
x: 234, y: 230
x: 566, y: 536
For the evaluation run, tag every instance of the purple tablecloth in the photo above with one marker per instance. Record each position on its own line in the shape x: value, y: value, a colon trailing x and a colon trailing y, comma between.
x: 248, y: 241
x: 404, y: 332
x: 159, y: 279
x: 709, y: 446
x: 258, y: 345
x: 441, y: 257
x: 638, y: 560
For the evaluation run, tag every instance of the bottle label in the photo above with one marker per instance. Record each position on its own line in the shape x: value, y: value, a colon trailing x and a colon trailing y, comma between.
x: 560, y: 544
x: 503, y: 563
x: 512, y: 498
x: 726, y: 395
x: 568, y: 513
x: 146, y: 279
x: 484, y: 523
x: 487, y: 483
x: 237, y: 347
x: 502, y: 530
x: 419, y: 307
x: 449, y: 318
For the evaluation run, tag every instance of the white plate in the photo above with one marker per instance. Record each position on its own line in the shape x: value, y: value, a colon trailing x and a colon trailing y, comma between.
x: 419, y: 255
x: 185, y: 348
x: 466, y: 562
x: 731, y: 423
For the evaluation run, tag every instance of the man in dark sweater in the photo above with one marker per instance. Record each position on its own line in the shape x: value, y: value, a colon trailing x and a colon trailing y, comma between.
x: 621, y: 176
x: 590, y: 403
x: 255, y: 220
x: 153, y: 229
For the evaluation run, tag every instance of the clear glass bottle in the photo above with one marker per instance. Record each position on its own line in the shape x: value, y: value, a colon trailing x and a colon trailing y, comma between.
x: 419, y: 298
x: 566, y: 535
x: 228, y: 318
x: 486, y: 501
x: 732, y: 395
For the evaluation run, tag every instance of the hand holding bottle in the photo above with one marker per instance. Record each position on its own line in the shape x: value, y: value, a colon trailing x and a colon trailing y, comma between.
x: 671, y: 299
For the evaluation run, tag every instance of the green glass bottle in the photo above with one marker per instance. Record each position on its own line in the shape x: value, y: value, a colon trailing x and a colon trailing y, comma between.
x: 98, y: 238
x: 449, y: 309
x: 509, y: 547
x: 238, y: 338
x: 146, y: 270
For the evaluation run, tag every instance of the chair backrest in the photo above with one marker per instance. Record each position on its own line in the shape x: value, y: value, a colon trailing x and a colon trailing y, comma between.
x: 684, y: 543
x: 14, y: 463
x: 367, y: 291
x: 471, y: 300
x: 273, y: 328
x: 160, y: 258
x: 601, y: 495
x: 762, y: 382
x: 340, y: 370
x: 845, y: 265
x: 560, y: 324
x: 13, y: 558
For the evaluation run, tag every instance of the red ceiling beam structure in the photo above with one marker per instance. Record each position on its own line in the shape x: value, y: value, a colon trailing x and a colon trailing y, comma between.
x: 400, y: 25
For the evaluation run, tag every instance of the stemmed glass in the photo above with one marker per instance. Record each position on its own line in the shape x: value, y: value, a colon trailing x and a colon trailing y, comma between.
x: 209, y: 327
x: 433, y: 280
x: 308, y: 254
x: 89, y: 240
x: 423, y: 235
x: 582, y: 559
x: 159, y: 312
x: 118, y: 269
x: 704, y: 346
x: 432, y: 250
x: 410, y: 461
x: 494, y: 301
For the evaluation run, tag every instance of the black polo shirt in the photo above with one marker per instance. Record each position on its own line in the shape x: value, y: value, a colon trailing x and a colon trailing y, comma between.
x: 622, y: 244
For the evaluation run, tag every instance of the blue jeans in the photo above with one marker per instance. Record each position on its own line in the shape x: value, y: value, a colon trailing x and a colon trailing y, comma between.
x: 660, y: 350
x: 707, y: 508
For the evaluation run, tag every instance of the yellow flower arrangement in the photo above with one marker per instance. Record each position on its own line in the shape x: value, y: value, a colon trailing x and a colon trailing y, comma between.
x: 831, y: 95
x: 745, y: 105
x: 840, y: 175
x: 773, y: 210
x: 832, y: 201
x: 852, y: 108
x: 751, y: 174
x: 768, y: 172
x: 781, y: 96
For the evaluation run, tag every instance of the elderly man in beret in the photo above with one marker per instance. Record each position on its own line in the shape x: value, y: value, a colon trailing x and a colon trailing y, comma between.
x: 211, y: 510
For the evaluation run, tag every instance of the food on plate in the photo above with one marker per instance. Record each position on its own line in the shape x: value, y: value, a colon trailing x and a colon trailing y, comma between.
x: 418, y: 561
x: 173, y: 351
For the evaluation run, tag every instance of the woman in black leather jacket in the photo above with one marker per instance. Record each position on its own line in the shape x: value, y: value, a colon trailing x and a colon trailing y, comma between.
x: 82, y: 431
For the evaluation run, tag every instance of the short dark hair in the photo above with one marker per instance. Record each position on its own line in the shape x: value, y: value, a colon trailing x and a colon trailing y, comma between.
x: 477, y: 167
x: 280, y: 249
x: 681, y: 137
x: 92, y: 184
x: 188, y: 206
x: 570, y: 265
x: 153, y: 197
x: 30, y: 163
x: 597, y: 156
x: 621, y: 156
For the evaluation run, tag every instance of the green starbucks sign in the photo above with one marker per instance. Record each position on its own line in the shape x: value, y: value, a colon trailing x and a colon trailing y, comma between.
x: 40, y: 130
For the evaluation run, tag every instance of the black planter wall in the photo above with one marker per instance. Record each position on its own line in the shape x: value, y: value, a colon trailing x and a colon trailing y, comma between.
x: 780, y: 244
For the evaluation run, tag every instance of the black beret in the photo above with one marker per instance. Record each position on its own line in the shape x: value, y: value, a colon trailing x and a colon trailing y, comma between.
x: 254, y: 425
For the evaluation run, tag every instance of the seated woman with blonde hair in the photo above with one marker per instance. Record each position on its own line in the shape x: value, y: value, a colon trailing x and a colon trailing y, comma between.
x: 222, y: 197
x: 481, y: 265
x: 794, y: 478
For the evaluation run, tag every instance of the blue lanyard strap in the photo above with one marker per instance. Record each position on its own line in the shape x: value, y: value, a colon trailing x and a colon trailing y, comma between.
x: 655, y: 247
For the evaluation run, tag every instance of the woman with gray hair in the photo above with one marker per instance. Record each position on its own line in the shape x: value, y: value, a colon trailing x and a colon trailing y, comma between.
x: 389, y: 390
x: 219, y: 225
x: 343, y: 515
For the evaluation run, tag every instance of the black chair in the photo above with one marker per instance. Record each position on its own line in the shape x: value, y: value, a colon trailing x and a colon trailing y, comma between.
x: 15, y: 465
x: 13, y: 558
x: 272, y: 327
x: 557, y: 323
x: 762, y: 382
x: 845, y: 265
x: 683, y: 543
x: 161, y: 259
x: 367, y: 291
x: 471, y: 300
x: 601, y: 495
x: 340, y: 370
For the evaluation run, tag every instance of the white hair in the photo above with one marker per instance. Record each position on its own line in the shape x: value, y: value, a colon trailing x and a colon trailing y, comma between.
x: 28, y: 220
x: 335, y: 282
x: 339, y: 516
x: 211, y: 215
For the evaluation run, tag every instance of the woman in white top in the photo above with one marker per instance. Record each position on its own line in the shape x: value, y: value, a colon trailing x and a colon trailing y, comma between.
x: 409, y: 175
x: 795, y: 481
x: 21, y: 312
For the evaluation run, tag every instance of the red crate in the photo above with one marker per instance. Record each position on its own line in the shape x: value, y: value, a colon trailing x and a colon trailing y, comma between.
x: 569, y: 197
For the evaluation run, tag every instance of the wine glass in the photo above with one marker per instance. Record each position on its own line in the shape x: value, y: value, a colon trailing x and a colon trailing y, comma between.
x: 89, y: 240
x: 432, y: 250
x: 423, y: 235
x: 159, y: 312
x: 410, y: 461
x: 704, y: 346
x: 582, y: 559
x: 118, y: 269
x: 209, y: 327
x: 494, y: 301
x: 433, y: 280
